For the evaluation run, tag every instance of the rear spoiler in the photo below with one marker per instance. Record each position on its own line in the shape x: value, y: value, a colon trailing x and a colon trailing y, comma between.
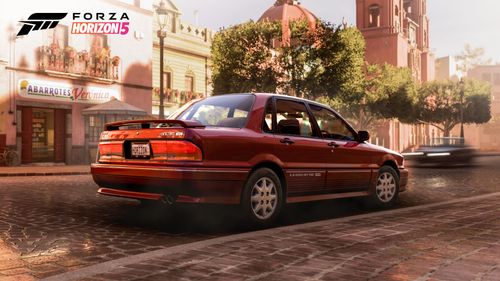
x: 150, y: 123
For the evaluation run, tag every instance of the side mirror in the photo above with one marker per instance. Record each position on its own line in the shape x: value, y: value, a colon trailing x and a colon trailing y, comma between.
x: 363, y: 136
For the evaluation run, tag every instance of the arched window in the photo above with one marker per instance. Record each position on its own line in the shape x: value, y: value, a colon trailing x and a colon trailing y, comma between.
x: 396, y: 10
x: 374, y: 15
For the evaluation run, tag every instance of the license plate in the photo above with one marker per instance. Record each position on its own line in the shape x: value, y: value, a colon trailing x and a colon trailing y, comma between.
x: 140, y: 150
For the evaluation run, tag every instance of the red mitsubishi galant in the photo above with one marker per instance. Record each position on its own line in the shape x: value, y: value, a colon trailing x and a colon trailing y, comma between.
x: 260, y: 151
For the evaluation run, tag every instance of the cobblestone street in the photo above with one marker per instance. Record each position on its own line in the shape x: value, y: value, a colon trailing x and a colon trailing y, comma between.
x: 458, y: 241
x: 55, y: 224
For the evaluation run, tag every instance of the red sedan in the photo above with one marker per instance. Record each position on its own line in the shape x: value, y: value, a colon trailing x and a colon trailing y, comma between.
x: 256, y: 150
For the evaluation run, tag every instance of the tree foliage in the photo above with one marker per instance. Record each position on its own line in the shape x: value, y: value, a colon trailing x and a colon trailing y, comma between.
x: 440, y: 103
x: 243, y: 58
x: 325, y: 62
x: 469, y: 58
x: 389, y: 92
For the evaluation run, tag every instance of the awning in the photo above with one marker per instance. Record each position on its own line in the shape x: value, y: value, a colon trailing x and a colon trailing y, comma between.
x: 114, y: 106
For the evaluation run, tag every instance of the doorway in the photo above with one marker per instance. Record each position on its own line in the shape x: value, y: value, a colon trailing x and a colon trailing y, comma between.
x: 42, y: 136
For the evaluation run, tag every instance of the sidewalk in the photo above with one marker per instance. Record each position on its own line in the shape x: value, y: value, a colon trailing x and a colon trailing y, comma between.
x: 457, y: 240
x: 34, y: 170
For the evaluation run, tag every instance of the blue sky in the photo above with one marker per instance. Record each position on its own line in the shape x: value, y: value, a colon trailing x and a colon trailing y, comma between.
x: 453, y: 22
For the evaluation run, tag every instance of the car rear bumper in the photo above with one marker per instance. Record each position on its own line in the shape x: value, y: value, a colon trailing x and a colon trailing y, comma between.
x: 183, y: 184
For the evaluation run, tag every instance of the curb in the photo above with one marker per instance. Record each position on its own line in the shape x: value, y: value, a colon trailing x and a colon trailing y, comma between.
x: 43, y: 174
x: 88, y: 272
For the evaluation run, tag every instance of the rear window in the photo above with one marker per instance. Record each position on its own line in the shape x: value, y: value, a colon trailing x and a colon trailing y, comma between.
x: 229, y: 111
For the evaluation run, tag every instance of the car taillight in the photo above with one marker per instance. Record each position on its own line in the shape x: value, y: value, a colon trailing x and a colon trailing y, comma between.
x: 111, y: 148
x: 175, y: 150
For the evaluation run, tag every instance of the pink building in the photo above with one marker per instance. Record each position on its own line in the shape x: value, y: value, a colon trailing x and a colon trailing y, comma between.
x: 50, y: 78
x: 397, y: 33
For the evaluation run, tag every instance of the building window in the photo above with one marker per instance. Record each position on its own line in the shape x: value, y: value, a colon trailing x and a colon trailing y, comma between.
x: 167, y: 80
x: 95, y: 128
x: 374, y: 15
x: 189, y: 85
x: 59, y: 36
x: 412, y: 36
x: 98, y: 42
x: 396, y: 10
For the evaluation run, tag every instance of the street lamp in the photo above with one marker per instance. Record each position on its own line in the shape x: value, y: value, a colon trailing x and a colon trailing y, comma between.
x: 163, y: 17
x: 462, y: 139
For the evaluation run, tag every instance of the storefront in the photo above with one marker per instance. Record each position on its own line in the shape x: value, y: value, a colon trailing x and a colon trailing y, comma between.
x: 49, y: 77
x: 47, y: 111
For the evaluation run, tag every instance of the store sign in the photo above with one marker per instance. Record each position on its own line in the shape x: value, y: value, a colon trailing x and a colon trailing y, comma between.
x: 38, y: 89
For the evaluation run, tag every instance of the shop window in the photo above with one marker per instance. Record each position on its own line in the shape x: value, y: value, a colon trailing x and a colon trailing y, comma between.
x: 59, y: 36
x: 95, y: 128
x: 42, y: 138
x: 374, y: 15
x: 189, y: 83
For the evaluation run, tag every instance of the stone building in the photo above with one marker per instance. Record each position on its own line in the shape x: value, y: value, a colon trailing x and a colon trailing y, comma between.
x: 397, y: 32
x: 186, y: 61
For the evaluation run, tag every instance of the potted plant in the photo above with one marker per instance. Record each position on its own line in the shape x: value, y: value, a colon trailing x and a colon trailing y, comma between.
x: 84, y: 55
x: 103, y: 55
x: 115, y: 60
x: 70, y: 52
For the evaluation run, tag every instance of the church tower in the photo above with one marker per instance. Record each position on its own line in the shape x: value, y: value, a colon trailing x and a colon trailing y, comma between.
x: 397, y: 33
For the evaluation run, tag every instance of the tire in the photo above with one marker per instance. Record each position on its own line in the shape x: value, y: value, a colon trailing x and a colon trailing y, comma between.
x: 262, y: 198
x: 386, y: 190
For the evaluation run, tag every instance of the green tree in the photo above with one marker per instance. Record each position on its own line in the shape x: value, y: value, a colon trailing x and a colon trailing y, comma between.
x: 440, y: 103
x: 325, y: 62
x: 243, y: 60
x: 389, y: 92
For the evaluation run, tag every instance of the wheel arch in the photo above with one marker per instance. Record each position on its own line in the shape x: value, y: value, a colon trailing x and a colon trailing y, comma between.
x: 392, y: 164
x: 276, y: 169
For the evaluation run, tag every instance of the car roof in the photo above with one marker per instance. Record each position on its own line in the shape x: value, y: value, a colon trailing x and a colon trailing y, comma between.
x: 281, y: 96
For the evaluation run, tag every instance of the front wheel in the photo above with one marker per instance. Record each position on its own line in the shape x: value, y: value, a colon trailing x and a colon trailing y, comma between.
x: 386, y: 191
x: 262, y: 198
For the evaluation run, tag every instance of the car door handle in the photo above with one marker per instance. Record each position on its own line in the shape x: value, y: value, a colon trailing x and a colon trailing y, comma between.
x: 287, y: 141
x: 333, y: 144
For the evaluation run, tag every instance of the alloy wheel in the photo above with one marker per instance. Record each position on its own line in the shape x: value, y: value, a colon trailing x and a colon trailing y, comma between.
x: 386, y: 187
x: 264, y: 198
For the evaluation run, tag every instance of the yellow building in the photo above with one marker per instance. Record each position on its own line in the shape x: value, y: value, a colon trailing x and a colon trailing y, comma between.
x: 186, y: 61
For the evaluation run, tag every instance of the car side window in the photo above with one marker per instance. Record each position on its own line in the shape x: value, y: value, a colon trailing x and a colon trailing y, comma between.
x: 293, y: 119
x: 330, y: 125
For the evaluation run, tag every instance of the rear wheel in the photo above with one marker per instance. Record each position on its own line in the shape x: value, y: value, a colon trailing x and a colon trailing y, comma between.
x: 262, y: 198
x: 386, y: 191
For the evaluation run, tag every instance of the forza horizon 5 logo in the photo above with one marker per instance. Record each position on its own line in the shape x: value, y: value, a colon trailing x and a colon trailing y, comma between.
x: 40, y: 21
x: 83, y: 23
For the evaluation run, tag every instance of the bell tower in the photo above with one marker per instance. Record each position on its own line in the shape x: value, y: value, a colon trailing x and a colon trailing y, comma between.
x: 397, y: 32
